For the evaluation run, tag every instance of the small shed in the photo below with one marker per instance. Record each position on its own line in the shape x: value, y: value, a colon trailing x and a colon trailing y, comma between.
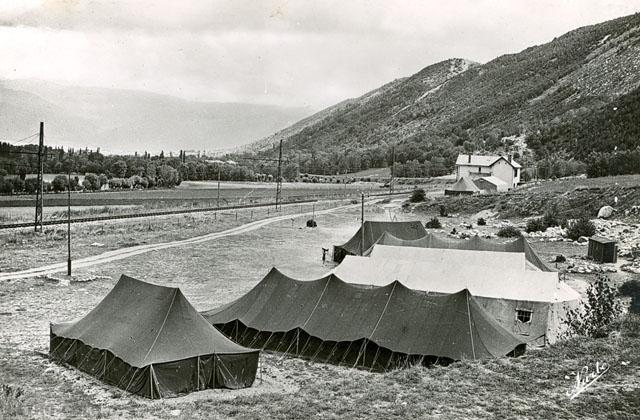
x: 603, y: 249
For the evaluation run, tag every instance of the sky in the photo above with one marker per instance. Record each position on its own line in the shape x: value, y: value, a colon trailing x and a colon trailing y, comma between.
x: 287, y: 53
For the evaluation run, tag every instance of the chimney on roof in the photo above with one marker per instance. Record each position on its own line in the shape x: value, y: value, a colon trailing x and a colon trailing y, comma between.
x: 469, y: 161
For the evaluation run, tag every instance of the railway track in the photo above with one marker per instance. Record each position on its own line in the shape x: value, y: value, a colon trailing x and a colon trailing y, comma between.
x: 52, y: 222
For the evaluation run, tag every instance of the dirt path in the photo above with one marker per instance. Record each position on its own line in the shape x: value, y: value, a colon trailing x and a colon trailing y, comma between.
x: 120, y: 254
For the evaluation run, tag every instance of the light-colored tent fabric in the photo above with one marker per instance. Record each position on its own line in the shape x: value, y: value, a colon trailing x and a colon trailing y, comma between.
x: 453, y: 258
x: 493, y: 279
x: 501, y: 289
x: 534, y: 262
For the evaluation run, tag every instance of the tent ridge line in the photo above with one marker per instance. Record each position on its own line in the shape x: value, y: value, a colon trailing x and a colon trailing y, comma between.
x: 175, y: 292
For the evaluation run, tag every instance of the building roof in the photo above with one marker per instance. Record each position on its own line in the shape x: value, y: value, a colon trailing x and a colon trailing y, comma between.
x: 495, y: 181
x: 602, y: 240
x: 478, y: 160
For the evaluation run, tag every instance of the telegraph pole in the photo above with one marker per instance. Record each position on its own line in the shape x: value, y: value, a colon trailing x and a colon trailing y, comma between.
x: 393, y: 166
x: 69, y: 221
x: 362, y: 227
x: 279, y: 178
x: 218, y: 186
x: 40, y: 189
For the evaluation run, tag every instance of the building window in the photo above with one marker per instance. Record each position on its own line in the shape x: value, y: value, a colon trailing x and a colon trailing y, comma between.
x: 523, y: 315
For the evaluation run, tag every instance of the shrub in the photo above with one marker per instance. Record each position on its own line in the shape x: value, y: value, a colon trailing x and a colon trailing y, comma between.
x: 59, y: 183
x: 482, y: 222
x: 509, y: 232
x: 599, y: 312
x: 434, y: 223
x: 580, y: 227
x: 417, y: 196
x: 631, y: 288
x: 536, y: 225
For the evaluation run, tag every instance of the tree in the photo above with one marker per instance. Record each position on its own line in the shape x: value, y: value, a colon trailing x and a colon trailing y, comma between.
x: 91, y: 182
x: 119, y: 169
x: 59, y: 183
x: 599, y: 312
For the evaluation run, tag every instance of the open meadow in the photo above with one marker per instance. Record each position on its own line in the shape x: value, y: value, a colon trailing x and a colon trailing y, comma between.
x: 215, y: 272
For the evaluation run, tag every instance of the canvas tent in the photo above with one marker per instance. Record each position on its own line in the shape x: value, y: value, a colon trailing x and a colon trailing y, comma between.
x: 149, y: 340
x: 476, y: 243
x: 372, y: 231
x: 463, y: 186
x: 375, y: 328
x: 530, y: 304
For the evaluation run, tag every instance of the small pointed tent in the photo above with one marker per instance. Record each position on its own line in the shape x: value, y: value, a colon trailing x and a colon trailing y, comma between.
x: 372, y: 231
x: 149, y: 340
x: 462, y: 186
x: 376, y: 328
x: 476, y: 243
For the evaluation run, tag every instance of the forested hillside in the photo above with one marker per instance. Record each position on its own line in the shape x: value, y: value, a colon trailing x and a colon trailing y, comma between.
x: 567, y: 98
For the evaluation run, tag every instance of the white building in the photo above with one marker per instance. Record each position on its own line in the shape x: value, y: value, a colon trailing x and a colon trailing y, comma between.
x: 475, y: 167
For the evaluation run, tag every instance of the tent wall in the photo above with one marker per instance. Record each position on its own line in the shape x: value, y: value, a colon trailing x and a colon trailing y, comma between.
x: 394, y: 318
x: 161, y: 380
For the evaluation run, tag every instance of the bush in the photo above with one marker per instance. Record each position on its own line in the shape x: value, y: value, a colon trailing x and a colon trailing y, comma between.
x: 509, y: 232
x: 536, y: 225
x: 417, y: 196
x: 599, y: 312
x: 59, y: 183
x: 434, y: 223
x: 631, y: 288
x: 482, y: 222
x: 580, y: 227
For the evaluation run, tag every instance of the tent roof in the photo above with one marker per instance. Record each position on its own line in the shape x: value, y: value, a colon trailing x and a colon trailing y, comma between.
x: 454, y: 258
x: 145, y: 324
x: 393, y: 317
x: 464, y: 184
x: 450, y: 276
x: 534, y: 262
x: 373, y: 231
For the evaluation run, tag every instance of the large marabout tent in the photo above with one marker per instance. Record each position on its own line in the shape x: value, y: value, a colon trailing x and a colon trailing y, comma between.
x: 372, y: 232
x: 463, y: 186
x: 476, y: 243
x: 150, y: 341
x: 376, y: 328
x: 530, y: 304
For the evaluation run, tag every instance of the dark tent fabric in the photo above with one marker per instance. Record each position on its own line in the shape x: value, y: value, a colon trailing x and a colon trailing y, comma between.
x: 149, y: 340
x: 462, y: 186
x: 373, y: 231
x: 376, y: 328
x: 474, y: 244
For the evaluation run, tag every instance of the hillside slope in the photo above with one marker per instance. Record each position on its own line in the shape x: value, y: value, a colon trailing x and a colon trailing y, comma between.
x: 431, y: 114
x: 128, y: 121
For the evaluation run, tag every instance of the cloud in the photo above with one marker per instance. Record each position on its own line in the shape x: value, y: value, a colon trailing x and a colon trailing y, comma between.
x: 300, y: 53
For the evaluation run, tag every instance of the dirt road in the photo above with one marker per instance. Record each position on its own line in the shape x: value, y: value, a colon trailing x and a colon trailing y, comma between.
x: 123, y: 253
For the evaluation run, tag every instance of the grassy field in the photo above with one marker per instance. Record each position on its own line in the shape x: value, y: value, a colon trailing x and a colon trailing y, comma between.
x: 216, y: 272
x: 187, y: 196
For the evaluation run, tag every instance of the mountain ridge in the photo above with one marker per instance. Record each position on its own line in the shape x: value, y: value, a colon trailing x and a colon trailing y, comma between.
x: 122, y: 120
x: 512, y: 96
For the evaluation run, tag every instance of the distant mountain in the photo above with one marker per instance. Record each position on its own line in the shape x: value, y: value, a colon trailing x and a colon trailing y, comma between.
x: 128, y: 121
x: 457, y: 105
